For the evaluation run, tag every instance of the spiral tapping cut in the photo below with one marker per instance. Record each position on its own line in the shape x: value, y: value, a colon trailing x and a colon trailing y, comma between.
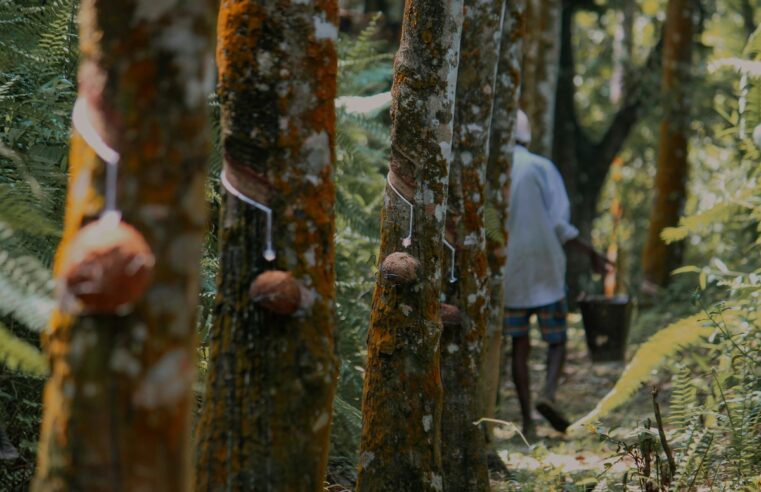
x: 407, y: 241
x: 83, y: 125
x: 269, y: 252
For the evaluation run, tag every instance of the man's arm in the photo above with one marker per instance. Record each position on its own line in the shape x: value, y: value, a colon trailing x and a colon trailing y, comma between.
x: 600, y: 263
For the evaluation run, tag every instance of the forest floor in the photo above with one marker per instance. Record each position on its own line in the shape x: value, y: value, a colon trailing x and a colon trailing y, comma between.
x: 560, y: 462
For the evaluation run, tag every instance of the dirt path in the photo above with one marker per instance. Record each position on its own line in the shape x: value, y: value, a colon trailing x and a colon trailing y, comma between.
x: 557, y: 462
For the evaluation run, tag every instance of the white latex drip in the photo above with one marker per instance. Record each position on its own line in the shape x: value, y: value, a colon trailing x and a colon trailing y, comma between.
x: 269, y: 252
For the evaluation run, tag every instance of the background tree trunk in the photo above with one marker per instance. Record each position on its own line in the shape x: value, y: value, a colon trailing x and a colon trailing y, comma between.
x: 501, y: 143
x: 402, y: 397
x: 671, y: 178
x: 540, y: 71
x: 271, y: 380
x: 117, y: 405
x: 463, y: 450
x: 583, y: 162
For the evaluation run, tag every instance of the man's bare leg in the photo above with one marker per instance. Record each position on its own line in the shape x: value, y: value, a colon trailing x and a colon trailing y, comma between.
x: 546, y: 403
x: 556, y: 354
x: 521, y: 351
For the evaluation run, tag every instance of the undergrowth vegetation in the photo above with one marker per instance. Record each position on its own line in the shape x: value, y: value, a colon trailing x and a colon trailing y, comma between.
x: 710, y: 438
x: 709, y: 432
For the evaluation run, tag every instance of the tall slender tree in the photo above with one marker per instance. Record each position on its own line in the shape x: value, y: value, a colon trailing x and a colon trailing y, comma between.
x: 671, y: 177
x: 272, y: 370
x: 121, y: 344
x: 402, y: 398
x: 540, y: 70
x: 501, y: 143
x: 463, y: 449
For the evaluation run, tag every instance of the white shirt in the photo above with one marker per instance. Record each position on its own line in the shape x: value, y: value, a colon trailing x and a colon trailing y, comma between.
x: 538, y: 225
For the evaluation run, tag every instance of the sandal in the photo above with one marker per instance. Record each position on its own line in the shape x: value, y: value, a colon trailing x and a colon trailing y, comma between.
x: 556, y: 419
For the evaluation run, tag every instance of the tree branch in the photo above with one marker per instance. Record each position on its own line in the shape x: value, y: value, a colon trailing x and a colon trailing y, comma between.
x: 637, y: 92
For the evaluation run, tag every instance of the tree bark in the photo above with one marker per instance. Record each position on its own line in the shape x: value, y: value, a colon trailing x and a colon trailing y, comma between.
x: 272, y: 371
x: 402, y: 397
x: 463, y: 450
x: 501, y: 143
x: 540, y: 71
x: 671, y: 177
x: 117, y: 405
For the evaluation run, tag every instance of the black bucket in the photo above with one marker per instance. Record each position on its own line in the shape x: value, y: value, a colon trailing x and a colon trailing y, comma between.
x: 606, y: 325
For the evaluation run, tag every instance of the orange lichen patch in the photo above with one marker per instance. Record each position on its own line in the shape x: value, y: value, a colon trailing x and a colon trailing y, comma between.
x: 238, y: 30
x: 82, y: 164
x: 108, y: 267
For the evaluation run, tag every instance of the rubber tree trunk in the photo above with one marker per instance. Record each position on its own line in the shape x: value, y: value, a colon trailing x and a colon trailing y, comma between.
x: 671, y: 177
x: 463, y: 449
x: 272, y: 371
x: 501, y: 143
x: 117, y: 407
x: 540, y: 71
x: 402, y: 399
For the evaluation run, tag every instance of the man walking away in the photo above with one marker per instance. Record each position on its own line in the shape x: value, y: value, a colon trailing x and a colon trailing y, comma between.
x: 539, y: 227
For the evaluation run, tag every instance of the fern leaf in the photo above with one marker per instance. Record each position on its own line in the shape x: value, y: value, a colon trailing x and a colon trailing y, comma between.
x: 683, y: 400
x: 650, y: 356
x: 493, y: 225
x: 18, y: 355
x: 691, y: 463
x: 694, y: 223
x: 25, y: 291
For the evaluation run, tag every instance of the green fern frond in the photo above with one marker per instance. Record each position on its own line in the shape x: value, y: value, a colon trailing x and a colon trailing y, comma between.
x: 369, y: 126
x: 493, y: 225
x: 684, y: 400
x: 692, y: 461
x: 18, y: 355
x: 695, y: 223
x: 649, y: 356
x: 25, y: 290
x: 21, y: 214
x: 364, y: 66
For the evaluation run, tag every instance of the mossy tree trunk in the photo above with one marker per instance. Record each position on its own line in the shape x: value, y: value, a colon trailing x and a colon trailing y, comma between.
x: 118, y: 403
x: 463, y: 448
x: 402, y: 397
x: 671, y: 177
x: 540, y: 71
x: 501, y: 143
x: 271, y: 377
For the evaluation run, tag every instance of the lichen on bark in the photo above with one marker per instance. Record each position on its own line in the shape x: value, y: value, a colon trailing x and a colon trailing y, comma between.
x: 117, y: 405
x: 401, y: 433
x: 463, y: 450
x: 501, y: 143
x: 271, y: 377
